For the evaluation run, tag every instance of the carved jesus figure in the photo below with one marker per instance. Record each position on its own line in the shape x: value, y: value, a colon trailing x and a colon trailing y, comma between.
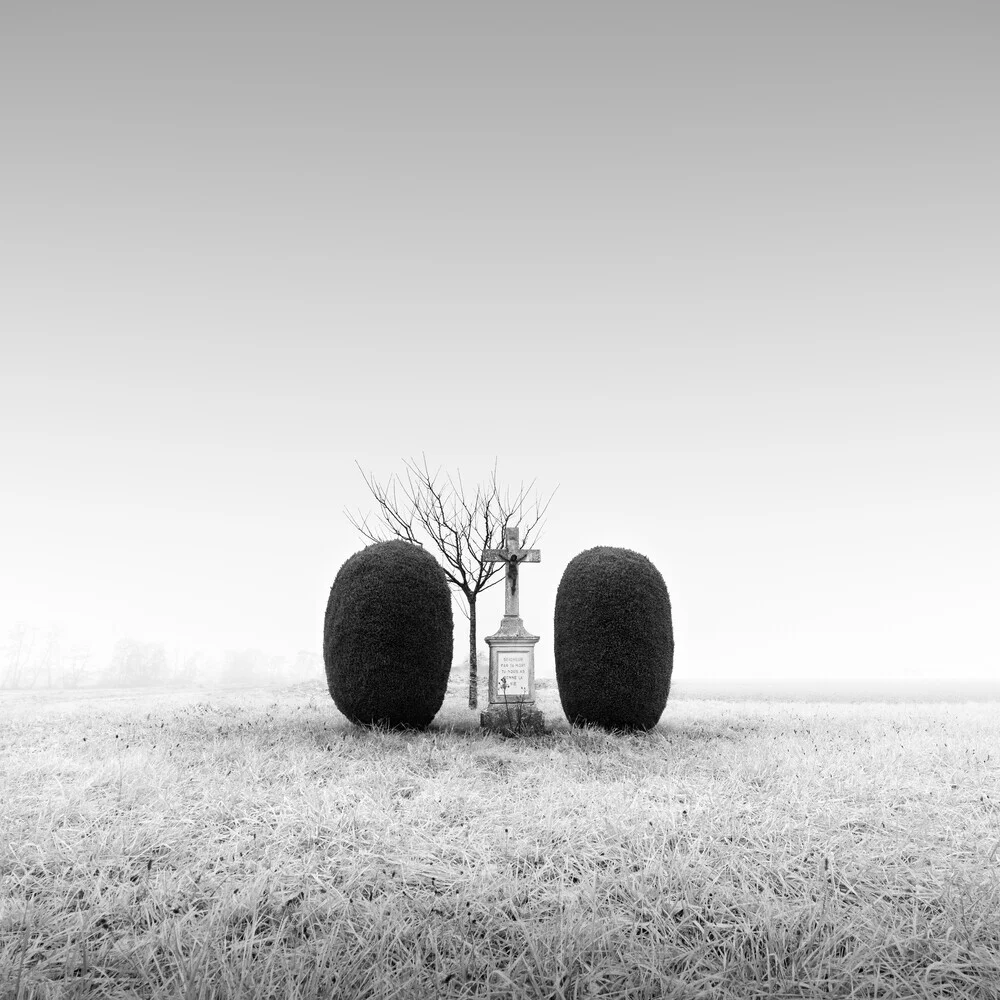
x: 513, y: 556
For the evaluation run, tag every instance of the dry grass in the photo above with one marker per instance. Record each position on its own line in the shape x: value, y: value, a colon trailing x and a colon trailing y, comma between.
x: 226, y: 845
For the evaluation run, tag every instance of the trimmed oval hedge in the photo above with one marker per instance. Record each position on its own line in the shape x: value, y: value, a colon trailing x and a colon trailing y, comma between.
x: 613, y: 640
x: 388, y: 636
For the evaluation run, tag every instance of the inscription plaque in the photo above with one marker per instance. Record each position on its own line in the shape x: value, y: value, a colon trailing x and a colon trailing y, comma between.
x: 512, y: 668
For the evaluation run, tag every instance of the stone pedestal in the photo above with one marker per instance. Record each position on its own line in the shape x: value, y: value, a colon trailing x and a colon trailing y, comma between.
x: 512, y: 708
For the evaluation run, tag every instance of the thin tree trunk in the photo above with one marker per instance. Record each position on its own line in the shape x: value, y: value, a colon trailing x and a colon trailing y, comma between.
x: 473, y: 659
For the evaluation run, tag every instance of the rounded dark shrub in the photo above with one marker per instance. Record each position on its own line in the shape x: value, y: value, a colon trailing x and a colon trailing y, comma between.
x: 613, y: 640
x: 388, y: 636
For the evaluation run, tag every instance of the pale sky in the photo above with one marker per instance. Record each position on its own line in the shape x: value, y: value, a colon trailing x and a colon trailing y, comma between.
x: 724, y: 273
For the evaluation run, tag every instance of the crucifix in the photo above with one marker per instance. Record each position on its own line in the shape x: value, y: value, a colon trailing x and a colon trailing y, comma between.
x: 513, y: 555
x: 512, y: 651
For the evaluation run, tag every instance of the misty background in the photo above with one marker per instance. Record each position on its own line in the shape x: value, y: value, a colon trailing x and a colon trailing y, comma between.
x: 725, y: 274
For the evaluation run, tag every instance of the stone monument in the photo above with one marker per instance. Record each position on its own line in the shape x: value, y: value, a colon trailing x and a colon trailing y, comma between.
x: 512, y: 652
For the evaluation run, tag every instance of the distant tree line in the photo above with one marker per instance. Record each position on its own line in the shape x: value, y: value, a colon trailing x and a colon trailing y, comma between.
x: 42, y: 658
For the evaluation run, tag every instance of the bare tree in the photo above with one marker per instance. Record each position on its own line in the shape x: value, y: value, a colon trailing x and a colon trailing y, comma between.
x: 136, y: 664
x: 188, y: 669
x: 461, y: 525
x: 75, y: 666
x: 52, y: 656
x: 21, y: 641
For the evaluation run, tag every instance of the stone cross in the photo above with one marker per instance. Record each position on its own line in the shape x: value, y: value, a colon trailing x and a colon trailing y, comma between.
x: 513, y: 555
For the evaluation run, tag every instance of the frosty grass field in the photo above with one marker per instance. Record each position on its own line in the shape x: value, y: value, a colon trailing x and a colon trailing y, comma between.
x: 225, y: 844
